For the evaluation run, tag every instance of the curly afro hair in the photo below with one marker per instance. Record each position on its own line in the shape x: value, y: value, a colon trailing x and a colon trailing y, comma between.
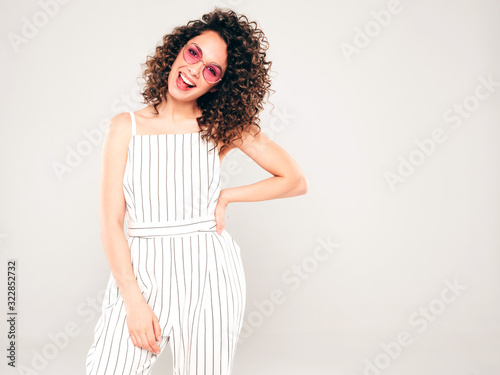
x: 235, y: 104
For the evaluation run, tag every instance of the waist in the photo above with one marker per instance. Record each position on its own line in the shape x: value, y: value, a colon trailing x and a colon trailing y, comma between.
x: 172, y: 228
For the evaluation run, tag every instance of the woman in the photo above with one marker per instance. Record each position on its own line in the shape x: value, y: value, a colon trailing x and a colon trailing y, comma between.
x: 178, y: 278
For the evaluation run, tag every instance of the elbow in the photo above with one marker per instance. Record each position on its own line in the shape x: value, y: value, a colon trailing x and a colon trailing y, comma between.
x: 109, y: 228
x: 301, y: 185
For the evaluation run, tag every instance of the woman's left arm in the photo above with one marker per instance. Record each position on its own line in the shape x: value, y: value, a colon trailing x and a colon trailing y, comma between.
x: 288, y: 179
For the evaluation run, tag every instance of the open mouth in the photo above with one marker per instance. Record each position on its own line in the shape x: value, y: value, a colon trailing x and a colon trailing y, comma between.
x: 184, y: 83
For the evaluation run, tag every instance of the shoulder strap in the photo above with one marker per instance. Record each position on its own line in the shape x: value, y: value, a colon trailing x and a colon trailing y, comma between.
x: 133, y: 122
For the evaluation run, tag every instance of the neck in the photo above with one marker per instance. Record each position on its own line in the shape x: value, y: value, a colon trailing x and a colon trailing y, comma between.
x: 175, y: 110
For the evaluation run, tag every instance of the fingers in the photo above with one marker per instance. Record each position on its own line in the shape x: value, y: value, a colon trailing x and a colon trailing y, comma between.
x: 219, y: 220
x: 151, y: 343
x: 156, y: 328
x: 148, y: 336
x: 220, y: 212
x: 134, y: 341
x: 146, y: 340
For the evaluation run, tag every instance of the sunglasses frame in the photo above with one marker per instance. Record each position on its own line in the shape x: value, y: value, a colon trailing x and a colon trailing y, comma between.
x: 203, y: 61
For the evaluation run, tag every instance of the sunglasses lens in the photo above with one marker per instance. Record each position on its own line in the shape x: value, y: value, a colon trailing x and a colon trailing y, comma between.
x: 212, y: 73
x: 192, y: 54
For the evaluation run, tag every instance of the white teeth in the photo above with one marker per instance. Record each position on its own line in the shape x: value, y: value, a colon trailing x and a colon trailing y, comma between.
x: 186, y: 80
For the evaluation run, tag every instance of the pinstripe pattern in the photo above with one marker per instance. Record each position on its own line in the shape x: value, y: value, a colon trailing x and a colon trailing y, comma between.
x: 192, y: 277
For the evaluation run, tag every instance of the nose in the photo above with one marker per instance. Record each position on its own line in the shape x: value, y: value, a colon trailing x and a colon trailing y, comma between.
x: 196, y: 68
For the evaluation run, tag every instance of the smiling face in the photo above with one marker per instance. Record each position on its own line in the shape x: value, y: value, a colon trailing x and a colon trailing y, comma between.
x: 186, y: 81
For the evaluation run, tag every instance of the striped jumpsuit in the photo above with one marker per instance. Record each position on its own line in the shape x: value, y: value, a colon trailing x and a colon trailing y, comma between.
x: 191, y: 276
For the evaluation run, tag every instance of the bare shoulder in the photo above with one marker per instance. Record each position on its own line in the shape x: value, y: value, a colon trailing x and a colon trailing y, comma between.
x: 120, y: 127
x: 117, y: 138
x: 247, y: 136
x: 252, y: 137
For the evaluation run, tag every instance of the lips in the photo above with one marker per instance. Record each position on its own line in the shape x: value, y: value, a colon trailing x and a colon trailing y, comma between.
x: 184, y: 83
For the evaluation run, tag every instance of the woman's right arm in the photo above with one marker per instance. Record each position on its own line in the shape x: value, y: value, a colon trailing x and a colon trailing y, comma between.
x: 142, y: 322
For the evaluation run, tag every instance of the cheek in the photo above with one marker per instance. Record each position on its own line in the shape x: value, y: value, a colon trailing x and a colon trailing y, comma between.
x: 172, y: 76
x: 175, y: 65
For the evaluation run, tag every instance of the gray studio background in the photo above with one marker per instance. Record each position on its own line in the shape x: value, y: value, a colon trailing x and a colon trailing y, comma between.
x: 389, y: 265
